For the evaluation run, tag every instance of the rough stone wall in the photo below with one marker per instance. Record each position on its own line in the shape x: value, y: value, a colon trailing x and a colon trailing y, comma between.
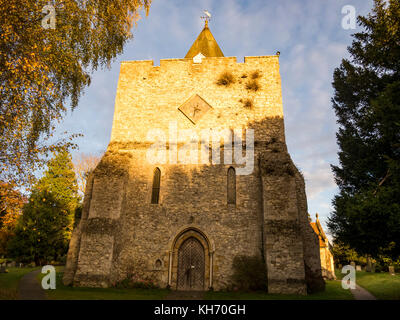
x: 312, y: 262
x: 291, y: 246
x: 122, y: 233
x: 282, y: 232
x: 74, y: 244
x: 327, y: 265
x: 149, y: 96
x: 91, y: 248
x: 141, y: 235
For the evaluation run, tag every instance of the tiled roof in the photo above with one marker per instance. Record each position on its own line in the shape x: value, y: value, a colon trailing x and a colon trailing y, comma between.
x: 205, y: 44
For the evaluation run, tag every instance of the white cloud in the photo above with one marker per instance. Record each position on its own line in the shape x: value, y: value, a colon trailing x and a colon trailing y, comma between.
x: 318, y: 177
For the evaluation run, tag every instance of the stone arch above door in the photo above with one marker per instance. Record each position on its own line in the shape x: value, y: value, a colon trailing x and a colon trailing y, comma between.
x: 190, y: 227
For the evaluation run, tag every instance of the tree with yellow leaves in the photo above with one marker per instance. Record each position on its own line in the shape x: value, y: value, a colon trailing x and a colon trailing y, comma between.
x: 11, y: 203
x: 43, y: 71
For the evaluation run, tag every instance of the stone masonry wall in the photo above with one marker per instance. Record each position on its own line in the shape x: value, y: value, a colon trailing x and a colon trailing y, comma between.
x: 312, y: 262
x: 149, y: 96
x: 282, y: 232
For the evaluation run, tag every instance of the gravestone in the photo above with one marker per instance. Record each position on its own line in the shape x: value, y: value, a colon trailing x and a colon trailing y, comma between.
x: 3, y: 268
x: 391, y: 270
x: 369, y: 266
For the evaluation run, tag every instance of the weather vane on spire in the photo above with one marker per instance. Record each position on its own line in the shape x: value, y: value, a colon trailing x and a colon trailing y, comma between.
x: 207, y: 17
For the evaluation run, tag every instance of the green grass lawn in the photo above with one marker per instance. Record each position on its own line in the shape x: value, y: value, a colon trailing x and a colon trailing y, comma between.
x: 72, y: 293
x: 382, y: 285
x: 333, y: 291
x: 9, y: 282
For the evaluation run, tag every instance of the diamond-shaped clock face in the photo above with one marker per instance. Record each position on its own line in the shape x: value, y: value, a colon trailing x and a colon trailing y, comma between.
x: 195, y: 108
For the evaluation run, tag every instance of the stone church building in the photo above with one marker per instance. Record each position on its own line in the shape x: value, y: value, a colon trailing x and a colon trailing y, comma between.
x: 181, y: 223
x: 327, y: 262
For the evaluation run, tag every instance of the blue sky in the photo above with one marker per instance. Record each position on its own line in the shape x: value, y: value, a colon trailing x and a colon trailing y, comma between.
x: 312, y: 42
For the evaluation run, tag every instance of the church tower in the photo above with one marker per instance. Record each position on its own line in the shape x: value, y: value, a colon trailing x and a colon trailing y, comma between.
x: 197, y: 173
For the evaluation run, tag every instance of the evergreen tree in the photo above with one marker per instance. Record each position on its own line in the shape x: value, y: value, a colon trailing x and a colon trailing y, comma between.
x: 43, y: 231
x: 366, y: 212
x: 45, y: 228
x: 60, y: 180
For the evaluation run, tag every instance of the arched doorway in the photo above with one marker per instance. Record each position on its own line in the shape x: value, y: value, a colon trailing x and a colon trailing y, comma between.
x: 190, y: 260
x: 191, y: 265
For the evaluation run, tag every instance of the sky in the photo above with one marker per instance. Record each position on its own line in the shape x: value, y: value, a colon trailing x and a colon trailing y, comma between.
x: 312, y: 42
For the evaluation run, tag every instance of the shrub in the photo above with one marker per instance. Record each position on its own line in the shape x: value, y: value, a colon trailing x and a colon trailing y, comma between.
x: 248, y: 103
x: 253, y: 85
x: 249, y: 273
x: 133, y: 281
x: 123, y: 284
x: 256, y: 74
x: 379, y: 267
x: 225, y: 79
x: 132, y: 284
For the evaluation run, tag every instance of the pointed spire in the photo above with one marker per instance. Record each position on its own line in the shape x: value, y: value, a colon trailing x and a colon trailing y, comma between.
x: 205, y: 44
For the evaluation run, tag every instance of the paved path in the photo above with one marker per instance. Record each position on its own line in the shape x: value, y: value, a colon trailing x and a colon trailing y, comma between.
x: 360, y: 293
x: 185, y: 295
x: 29, y: 287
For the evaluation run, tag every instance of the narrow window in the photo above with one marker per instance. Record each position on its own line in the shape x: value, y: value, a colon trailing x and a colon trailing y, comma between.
x: 231, y: 186
x: 156, y: 186
x: 158, y: 264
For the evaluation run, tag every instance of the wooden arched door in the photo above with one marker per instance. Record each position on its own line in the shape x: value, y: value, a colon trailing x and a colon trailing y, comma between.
x: 191, y: 265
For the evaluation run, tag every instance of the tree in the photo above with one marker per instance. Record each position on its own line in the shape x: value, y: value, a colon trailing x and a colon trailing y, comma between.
x: 60, y: 180
x: 343, y: 254
x: 11, y: 203
x: 43, y: 70
x: 366, y: 212
x: 84, y: 164
x: 46, y: 225
x: 43, y: 232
